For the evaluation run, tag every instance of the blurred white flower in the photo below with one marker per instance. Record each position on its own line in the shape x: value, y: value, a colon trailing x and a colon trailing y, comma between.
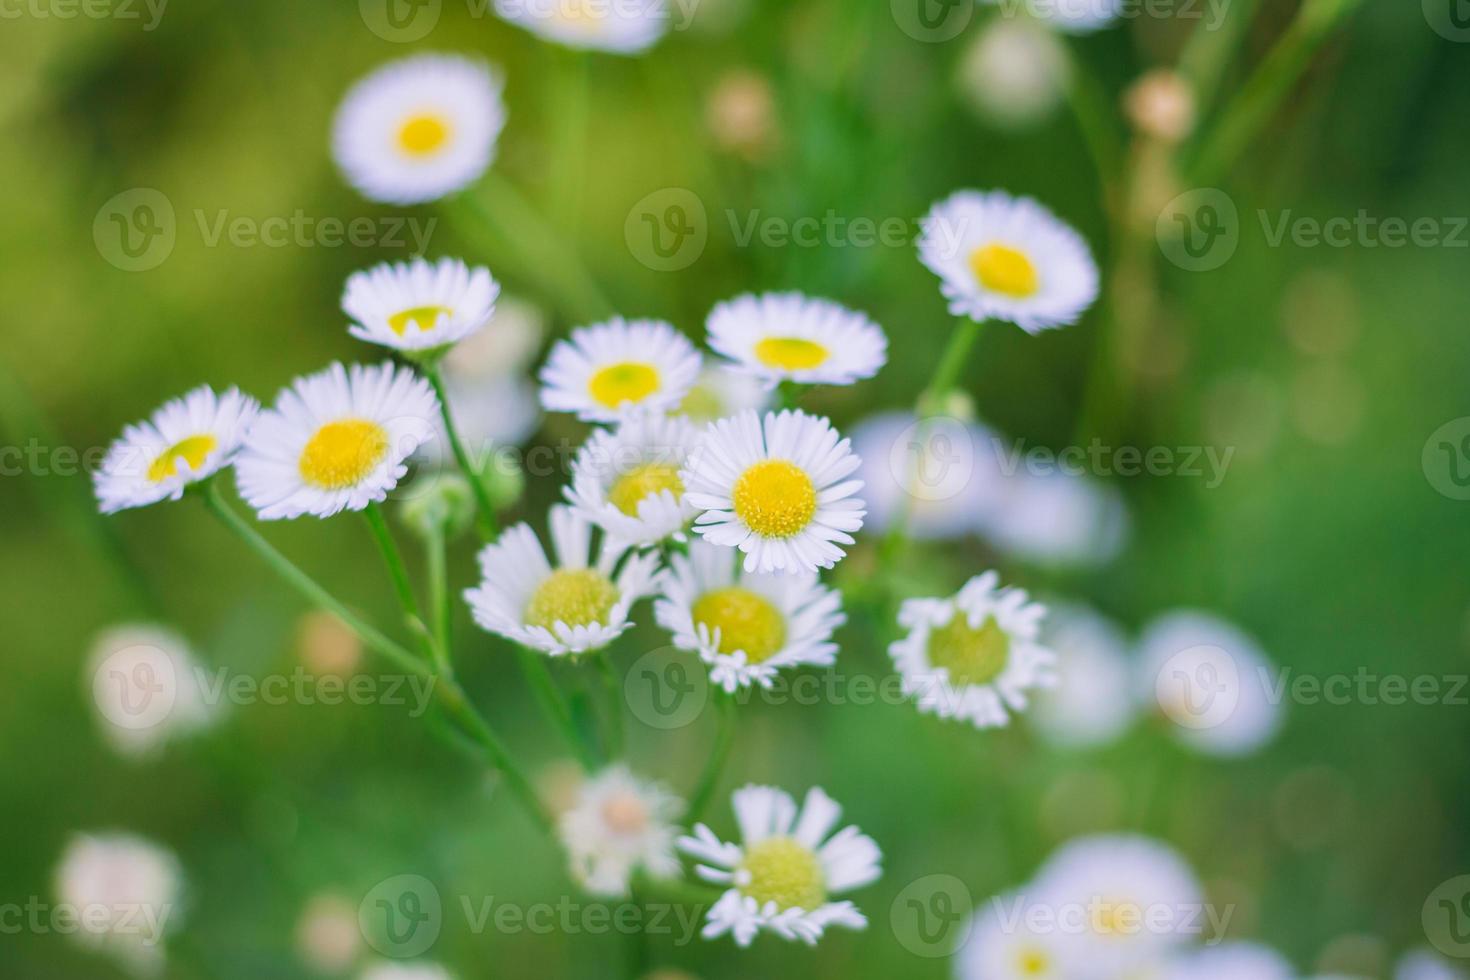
x: 124, y: 892
x: 405, y: 971
x: 1426, y: 964
x: 618, y: 824
x: 504, y: 349
x: 328, y: 936
x: 718, y: 394
x: 1067, y: 16
x: 1004, y: 944
x: 1015, y: 72
x: 144, y: 683
x: 1230, y: 961
x: 1092, y: 702
x: 1057, y: 518
x: 616, y: 26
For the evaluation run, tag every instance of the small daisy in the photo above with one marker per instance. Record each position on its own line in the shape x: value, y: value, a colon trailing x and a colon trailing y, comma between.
x: 1425, y: 964
x: 719, y: 394
x: 745, y: 625
x: 1005, y: 944
x: 777, y: 489
x: 1057, y: 518
x: 573, y: 607
x: 626, y: 481
x: 1092, y: 702
x: 419, y: 128
x: 127, y: 891
x: 974, y: 656
x: 1238, y: 961
x: 1007, y: 258
x: 147, y: 687
x: 790, y: 337
x: 417, y: 306
x: 185, y: 441
x: 335, y: 441
x: 1069, y: 16
x: 606, y: 371
x: 405, y: 971
x: 785, y: 868
x: 618, y: 824
x: 616, y: 26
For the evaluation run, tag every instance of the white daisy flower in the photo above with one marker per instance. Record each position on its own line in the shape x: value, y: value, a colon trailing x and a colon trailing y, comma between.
x: 145, y: 685
x: 785, y: 868
x: 1233, y: 961
x: 1016, y: 72
x: 777, y: 489
x: 1004, y: 944
x: 1092, y: 702
x: 504, y: 349
x: 1057, y: 518
x: 611, y: 369
x: 405, y: 971
x: 417, y: 306
x: 746, y: 625
x: 1069, y: 16
x: 335, y: 441
x: 718, y: 394
x: 792, y: 337
x: 973, y: 657
x: 618, y: 824
x: 419, y: 128
x: 185, y: 441
x: 572, y: 607
x: 1425, y: 964
x: 626, y: 480
x: 1007, y: 258
x: 126, y: 892
x: 616, y: 26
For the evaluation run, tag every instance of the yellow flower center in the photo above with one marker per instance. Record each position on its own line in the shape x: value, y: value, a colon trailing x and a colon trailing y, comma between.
x: 1002, y: 269
x: 641, y: 482
x: 575, y: 596
x: 191, y: 450
x: 1032, y: 962
x: 631, y: 381
x: 775, y: 498
x: 625, y: 813
x: 972, y: 656
x: 423, y: 317
x: 784, y: 872
x: 342, y: 453
x: 1117, y: 918
x: 422, y: 135
x: 746, y: 621
x: 791, y: 353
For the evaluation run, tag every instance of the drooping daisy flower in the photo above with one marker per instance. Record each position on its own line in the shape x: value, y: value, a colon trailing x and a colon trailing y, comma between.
x: 126, y: 892
x: 777, y: 489
x: 1092, y: 702
x: 786, y: 867
x: 746, y: 625
x: 1232, y: 961
x: 616, y: 26
x: 1004, y: 944
x: 611, y: 369
x: 626, y: 481
x: 417, y: 306
x: 618, y: 824
x: 974, y: 656
x: 419, y: 128
x: 185, y: 441
x: 718, y: 394
x: 335, y: 441
x: 145, y: 684
x: 791, y: 337
x: 1007, y: 258
x: 572, y: 607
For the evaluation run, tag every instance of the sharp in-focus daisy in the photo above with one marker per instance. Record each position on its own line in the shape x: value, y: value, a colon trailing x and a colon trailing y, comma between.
x: 419, y: 306
x: 746, y: 625
x: 1004, y: 944
x: 627, y: 480
x: 572, y: 607
x: 128, y: 891
x: 185, y: 441
x: 419, y: 128
x: 620, y: 823
x: 616, y: 26
x: 785, y: 869
x: 335, y: 441
x: 718, y: 394
x: 791, y: 337
x: 973, y: 657
x: 1007, y: 258
x: 609, y: 370
x: 777, y: 489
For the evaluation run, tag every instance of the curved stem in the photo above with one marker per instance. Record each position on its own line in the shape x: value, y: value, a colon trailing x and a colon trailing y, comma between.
x: 719, y: 755
x: 397, y: 571
x: 613, y: 688
x: 440, y: 613
x: 486, y: 521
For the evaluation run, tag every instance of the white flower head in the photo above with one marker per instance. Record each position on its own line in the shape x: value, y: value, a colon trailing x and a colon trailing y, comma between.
x: 405, y: 971
x: 572, y: 607
x: 1068, y: 16
x: 1016, y: 72
x: 1425, y: 964
x: 187, y: 440
x: 419, y: 128
x: 746, y: 625
x: 785, y: 869
x: 617, y: 26
x: 504, y: 349
x: 1092, y: 702
x: 1007, y: 258
x: 1057, y: 518
x: 127, y: 893
x: 973, y: 657
x: 607, y: 371
x: 335, y: 441
x: 1004, y: 944
x: 777, y: 488
x: 419, y: 306
x: 779, y: 337
x: 719, y: 393
x: 1232, y: 961
x: 626, y: 480
x: 620, y: 823
x: 144, y: 682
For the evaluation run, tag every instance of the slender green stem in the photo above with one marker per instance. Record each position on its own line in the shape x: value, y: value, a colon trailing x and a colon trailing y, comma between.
x: 789, y: 394
x: 951, y: 363
x: 719, y: 755
x: 440, y: 613
x: 1098, y: 123
x: 397, y: 571
x: 553, y: 703
x: 613, y: 692
x: 485, y: 510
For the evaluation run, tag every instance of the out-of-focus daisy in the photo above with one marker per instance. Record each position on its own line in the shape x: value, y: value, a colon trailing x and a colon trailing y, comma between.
x: 145, y: 684
x: 974, y: 656
x: 791, y: 337
x: 620, y: 823
x: 328, y: 936
x: 1004, y: 945
x: 419, y: 128
x: 616, y: 26
x: 417, y: 306
x: 777, y: 489
x: 1057, y: 518
x: 185, y: 441
x: 606, y: 371
x: 335, y: 441
x: 718, y: 394
x: 405, y: 971
x: 746, y: 625
x: 504, y: 349
x: 1425, y: 964
x: 1015, y: 72
x: 126, y: 895
x: 1092, y: 701
x: 1007, y: 258
x: 1231, y: 961
x: 785, y: 869
x: 1069, y: 16
x: 572, y: 607
x: 490, y: 414
x: 627, y: 481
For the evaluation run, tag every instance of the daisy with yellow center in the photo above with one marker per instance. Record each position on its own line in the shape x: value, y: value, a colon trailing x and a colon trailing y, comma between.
x: 777, y: 488
x: 784, y: 872
x: 791, y: 337
x: 620, y: 823
x: 1003, y: 943
x: 616, y: 26
x: 973, y: 657
x: 744, y: 625
x: 419, y: 307
x: 627, y: 481
x: 573, y: 607
x: 187, y: 440
x: 612, y: 370
x: 335, y: 441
